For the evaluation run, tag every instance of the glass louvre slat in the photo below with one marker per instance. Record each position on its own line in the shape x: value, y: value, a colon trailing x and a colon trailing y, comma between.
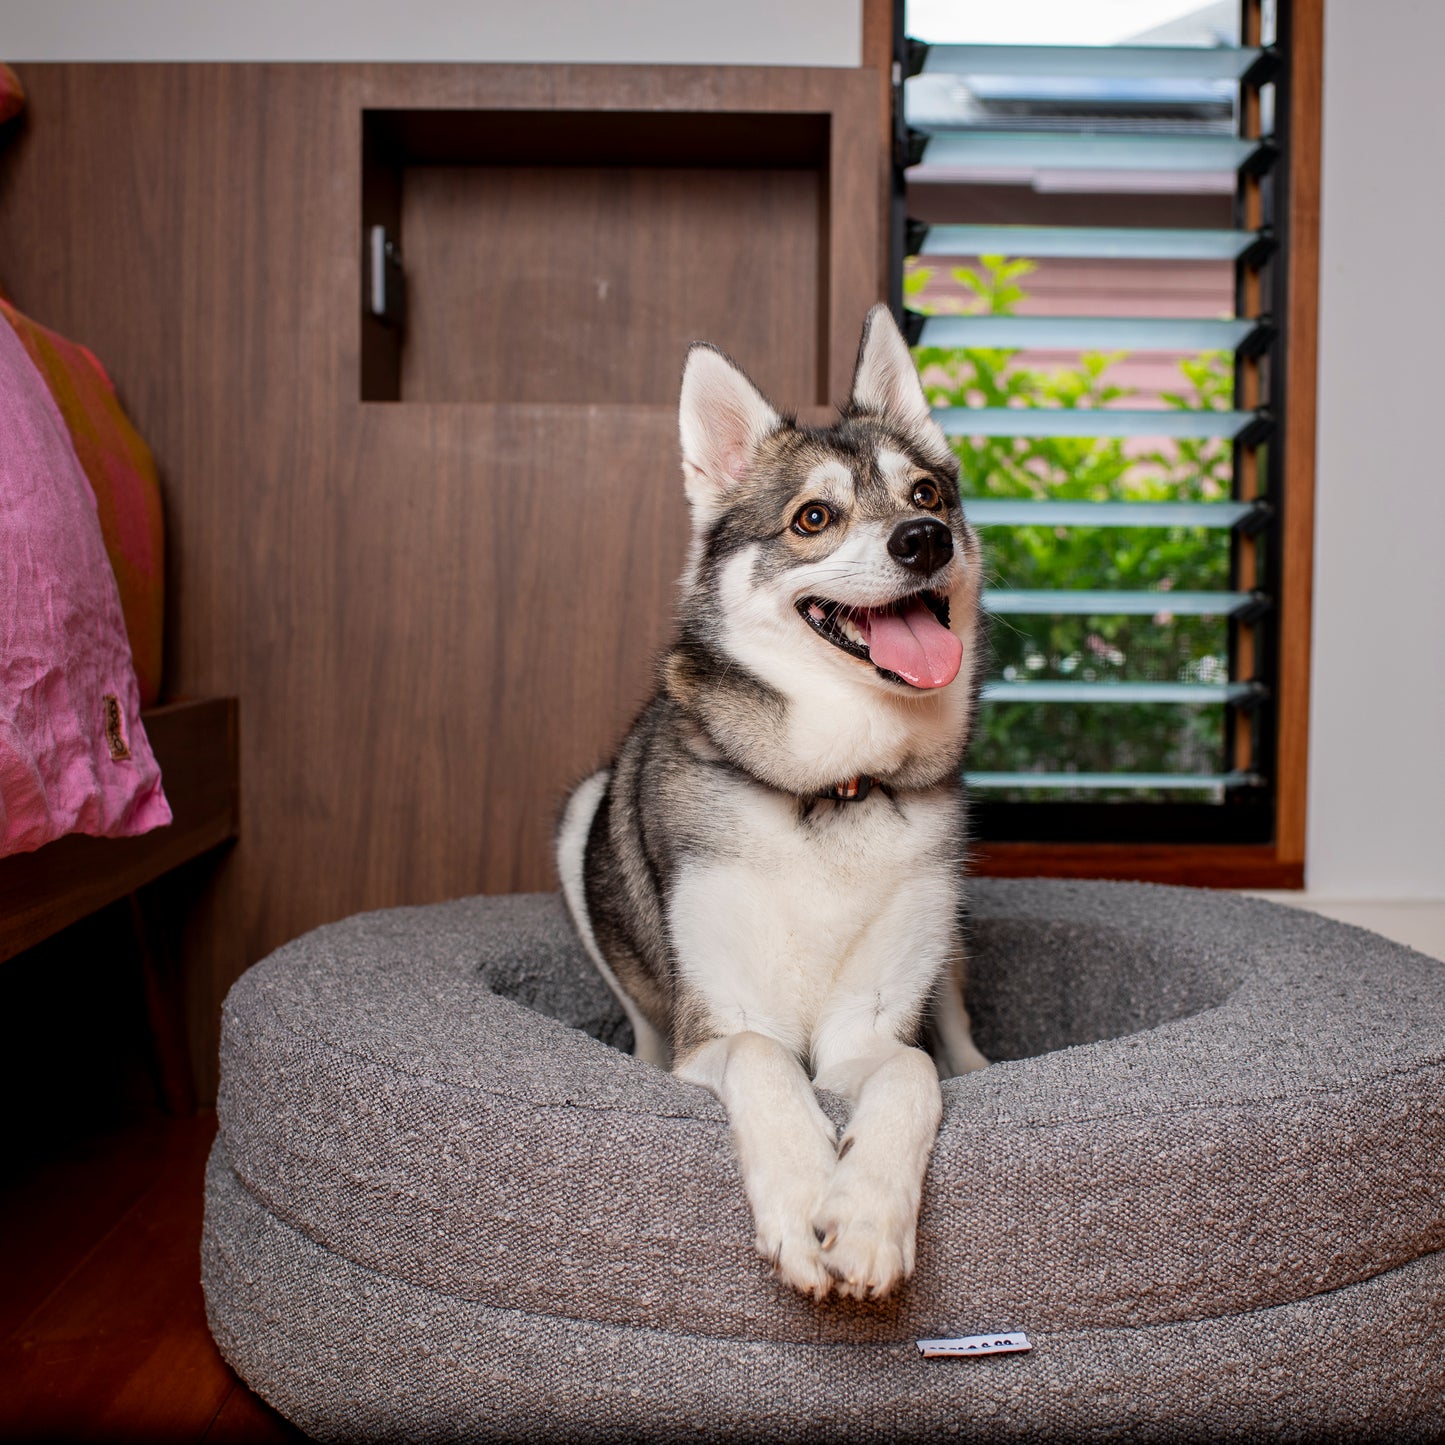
x: 1140, y: 781
x: 1118, y: 243
x: 1086, y: 333
x: 1014, y: 114
x: 984, y: 421
x: 991, y: 512
x: 949, y: 148
x: 1093, y: 62
x: 1006, y: 600
x: 1119, y: 692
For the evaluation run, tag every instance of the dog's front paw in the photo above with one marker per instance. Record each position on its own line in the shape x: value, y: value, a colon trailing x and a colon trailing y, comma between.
x: 786, y: 1240
x: 866, y: 1227
x: 784, y: 1199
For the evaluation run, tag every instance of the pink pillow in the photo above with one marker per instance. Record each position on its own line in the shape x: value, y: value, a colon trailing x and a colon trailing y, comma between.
x: 74, y: 757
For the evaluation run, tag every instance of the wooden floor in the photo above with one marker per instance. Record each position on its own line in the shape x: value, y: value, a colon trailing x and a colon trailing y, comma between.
x: 102, y: 1327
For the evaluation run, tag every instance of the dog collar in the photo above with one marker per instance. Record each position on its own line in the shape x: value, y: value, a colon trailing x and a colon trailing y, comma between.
x: 850, y: 790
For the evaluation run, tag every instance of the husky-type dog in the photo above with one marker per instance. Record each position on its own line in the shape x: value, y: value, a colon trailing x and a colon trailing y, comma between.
x: 769, y: 874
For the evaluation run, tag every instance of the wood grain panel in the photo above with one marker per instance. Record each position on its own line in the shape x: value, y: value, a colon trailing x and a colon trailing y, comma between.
x: 503, y: 577
x: 878, y: 59
x: 435, y: 616
x: 586, y: 284
x: 1192, y: 865
x: 1306, y: 49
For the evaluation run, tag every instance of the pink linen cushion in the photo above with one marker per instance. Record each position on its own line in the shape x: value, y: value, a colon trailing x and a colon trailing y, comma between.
x: 122, y: 475
x: 74, y: 757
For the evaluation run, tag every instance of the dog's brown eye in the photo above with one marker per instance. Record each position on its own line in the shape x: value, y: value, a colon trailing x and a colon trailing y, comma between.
x: 925, y: 494
x: 812, y: 519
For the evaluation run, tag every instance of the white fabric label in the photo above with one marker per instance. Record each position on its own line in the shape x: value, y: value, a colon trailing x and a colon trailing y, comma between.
x: 1012, y: 1343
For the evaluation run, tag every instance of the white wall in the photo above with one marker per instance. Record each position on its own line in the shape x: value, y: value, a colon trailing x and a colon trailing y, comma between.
x: 710, y: 32
x: 1377, y: 729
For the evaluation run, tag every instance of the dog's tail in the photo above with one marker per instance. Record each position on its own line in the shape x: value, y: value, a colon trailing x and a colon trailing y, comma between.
x: 572, y: 834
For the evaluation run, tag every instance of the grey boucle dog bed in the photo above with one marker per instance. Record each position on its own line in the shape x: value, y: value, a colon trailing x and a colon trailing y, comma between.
x: 1206, y: 1178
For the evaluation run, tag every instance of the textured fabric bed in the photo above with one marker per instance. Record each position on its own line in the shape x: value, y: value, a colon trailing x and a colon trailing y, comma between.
x: 1205, y: 1177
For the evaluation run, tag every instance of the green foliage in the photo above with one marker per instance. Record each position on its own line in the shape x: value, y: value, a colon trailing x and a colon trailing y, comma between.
x: 1097, y: 737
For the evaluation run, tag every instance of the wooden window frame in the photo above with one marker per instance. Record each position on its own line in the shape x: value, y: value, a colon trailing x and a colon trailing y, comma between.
x: 1281, y: 862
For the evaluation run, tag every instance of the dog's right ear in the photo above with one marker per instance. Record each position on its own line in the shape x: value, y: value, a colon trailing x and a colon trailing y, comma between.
x: 886, y: 384
x: 722, y: 418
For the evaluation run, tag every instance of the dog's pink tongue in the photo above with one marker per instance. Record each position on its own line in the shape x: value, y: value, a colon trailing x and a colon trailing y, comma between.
x: 914, y: 644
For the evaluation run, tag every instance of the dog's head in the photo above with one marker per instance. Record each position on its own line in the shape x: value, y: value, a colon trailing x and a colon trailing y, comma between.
x: 843, y: 548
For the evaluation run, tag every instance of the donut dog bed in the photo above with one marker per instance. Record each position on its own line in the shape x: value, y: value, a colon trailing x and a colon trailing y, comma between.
x: 1204, y: 1175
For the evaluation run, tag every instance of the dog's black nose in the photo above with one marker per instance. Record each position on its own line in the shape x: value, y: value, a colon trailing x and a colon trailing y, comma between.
x: 923, y: 545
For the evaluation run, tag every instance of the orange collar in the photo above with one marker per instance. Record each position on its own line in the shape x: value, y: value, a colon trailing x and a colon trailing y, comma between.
x: 850, y: 790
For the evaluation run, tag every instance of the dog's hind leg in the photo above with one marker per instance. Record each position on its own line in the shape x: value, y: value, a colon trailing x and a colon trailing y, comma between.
x: 955, y: 1049
x: 786, y: 1146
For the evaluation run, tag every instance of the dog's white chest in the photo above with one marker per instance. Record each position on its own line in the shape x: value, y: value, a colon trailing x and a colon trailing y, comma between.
x: 850, y: 911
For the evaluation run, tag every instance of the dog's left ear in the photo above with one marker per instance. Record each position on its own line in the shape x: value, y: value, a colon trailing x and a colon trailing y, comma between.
x: 885, y: 381
x: 722, y: 417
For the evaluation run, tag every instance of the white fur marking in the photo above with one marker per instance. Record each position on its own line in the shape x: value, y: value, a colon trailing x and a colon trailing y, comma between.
x: 870, y: 1211
x: 822, y: 941
x: 897, y: 471
x: 960, y: 1054
x: 831, y: 481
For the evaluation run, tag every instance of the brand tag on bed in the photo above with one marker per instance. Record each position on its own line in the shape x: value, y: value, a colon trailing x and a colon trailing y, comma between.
x: 1012, y: 1343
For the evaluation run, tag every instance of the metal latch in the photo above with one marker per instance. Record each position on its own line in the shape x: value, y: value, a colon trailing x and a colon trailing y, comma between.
x: 386, y: 299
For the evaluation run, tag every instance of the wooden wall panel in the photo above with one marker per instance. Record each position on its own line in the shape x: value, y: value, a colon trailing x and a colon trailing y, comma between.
x: 586, y: 284
x: 435, y: 616
x: 1306, y: 41
x: 504, y: 576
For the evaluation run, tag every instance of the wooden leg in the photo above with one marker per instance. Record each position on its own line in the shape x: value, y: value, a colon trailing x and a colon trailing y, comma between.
x: 165, y: 1010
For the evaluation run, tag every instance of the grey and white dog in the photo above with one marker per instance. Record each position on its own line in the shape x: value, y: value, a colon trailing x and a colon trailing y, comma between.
x: 769, y: 874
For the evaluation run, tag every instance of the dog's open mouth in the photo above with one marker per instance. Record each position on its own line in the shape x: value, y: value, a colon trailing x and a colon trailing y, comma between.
x: 908, y: 641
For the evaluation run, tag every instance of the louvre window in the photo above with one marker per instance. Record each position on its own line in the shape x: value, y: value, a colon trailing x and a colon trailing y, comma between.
x: 1092, y: 254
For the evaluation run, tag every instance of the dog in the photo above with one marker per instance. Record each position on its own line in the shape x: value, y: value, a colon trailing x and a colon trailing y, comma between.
x: 769, y: 875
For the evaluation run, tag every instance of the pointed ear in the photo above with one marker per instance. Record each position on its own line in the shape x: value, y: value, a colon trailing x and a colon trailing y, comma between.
x: 885, y: 381
x: 722, y: 417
